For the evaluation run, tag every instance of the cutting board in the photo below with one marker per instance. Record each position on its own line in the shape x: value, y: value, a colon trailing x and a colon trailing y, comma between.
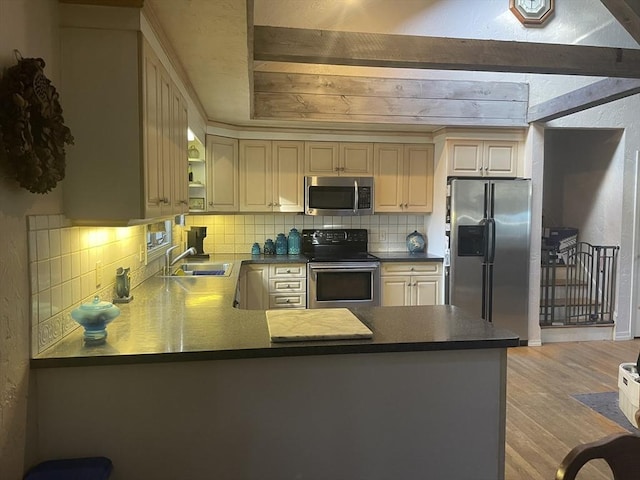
x: 315, y: 324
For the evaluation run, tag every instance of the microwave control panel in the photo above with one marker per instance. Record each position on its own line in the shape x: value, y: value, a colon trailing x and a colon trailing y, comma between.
x: 364, y: 197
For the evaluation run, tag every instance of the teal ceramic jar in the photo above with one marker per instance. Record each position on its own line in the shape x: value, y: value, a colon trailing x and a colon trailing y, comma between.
x: 269, y: 247
x: 293, y: 241
x: 281, y: 244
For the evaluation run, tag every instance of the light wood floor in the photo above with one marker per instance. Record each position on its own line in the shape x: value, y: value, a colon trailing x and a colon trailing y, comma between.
x: 543, y: 421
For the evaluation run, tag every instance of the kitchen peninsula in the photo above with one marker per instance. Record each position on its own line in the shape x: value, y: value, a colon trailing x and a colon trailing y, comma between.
x: 189, y: 387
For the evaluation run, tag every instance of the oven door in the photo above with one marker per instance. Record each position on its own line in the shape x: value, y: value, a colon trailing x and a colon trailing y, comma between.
x: 343, y: 284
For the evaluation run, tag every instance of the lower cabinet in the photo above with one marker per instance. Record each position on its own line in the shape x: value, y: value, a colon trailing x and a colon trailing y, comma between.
x: 405, y: 284
x: 271, y: 286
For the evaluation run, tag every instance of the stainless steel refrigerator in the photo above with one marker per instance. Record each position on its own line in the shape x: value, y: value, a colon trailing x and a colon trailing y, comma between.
x: 490, y: 225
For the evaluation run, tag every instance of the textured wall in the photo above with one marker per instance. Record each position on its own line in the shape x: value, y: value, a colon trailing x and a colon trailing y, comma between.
x: 31, y: 27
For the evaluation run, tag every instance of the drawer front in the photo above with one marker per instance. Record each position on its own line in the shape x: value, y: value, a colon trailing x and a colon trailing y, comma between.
x: 288, y: 301
x: 287, y: 285
x: 288, y: 270
x: 400, y: 268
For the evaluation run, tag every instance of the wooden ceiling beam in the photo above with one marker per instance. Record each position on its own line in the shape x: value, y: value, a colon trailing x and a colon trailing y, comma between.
x: 627, y: 12
x: 597, y: 93
x: 295, y: 45
x: 388, y: 100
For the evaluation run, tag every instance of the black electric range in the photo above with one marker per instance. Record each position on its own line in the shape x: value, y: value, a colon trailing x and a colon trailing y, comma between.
x: 332, y: 245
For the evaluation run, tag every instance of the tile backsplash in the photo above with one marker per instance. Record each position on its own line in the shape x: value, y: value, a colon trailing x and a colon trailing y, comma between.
x: 65, y: 263
x: 236, y: 233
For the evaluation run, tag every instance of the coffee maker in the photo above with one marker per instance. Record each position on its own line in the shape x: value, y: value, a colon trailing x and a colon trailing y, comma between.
x: 195, y: 239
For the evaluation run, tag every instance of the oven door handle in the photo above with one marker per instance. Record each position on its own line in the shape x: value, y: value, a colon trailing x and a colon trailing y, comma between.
x: 369, y: 268
x: 355, y: 196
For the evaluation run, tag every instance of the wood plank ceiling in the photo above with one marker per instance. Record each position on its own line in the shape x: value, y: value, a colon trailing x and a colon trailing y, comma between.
x: 337, y: 98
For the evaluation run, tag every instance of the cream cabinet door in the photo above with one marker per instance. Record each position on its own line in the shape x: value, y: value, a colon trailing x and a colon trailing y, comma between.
x: 254, y: 287
x: 180, y: 161
x: 321, y: 158
x: 389, y: 177
x: 404, y: 178
x: 500, y: 159
x: 288, y: 176
x: 465, y: 158
x: 222, y: 174
x: 395, y: 291
x: 256, y: 182
x: 356, y: 159
x: 418, y: 178
x: 425, y: 290
x: 152, y: 116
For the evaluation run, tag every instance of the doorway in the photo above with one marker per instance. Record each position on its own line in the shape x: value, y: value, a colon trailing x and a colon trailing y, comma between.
x: 582, y: 208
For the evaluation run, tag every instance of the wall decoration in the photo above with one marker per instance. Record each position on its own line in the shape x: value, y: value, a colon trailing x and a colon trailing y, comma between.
x: 32, y: 130
x: 532, y: 13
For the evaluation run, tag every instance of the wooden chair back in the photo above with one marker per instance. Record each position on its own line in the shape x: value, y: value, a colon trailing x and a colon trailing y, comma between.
x: 620, y: 451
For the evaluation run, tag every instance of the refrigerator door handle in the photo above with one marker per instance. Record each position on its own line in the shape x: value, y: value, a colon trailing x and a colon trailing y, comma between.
x: 491, y: 240
x: 484, y: 292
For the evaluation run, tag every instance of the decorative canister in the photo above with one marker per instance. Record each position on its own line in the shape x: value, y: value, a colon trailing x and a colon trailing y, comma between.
x: 281, y: 244
x: 255, y: 249
x: 94, y: 317
x: 416, y: 242
x: 269, y: 247
x: 293, y: 241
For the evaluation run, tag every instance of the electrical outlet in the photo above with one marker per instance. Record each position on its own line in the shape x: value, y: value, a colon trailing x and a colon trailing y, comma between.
x: 382, y: 235
x: 141, y: 252
x: 98, y: 273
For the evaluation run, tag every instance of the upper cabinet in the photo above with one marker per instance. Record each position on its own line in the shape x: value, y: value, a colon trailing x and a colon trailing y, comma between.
x: 271, y: 177
x: 222, y: 174
x: 484, y: 158
x: 338, y: 158
x: 129, y: 122
x: 404, y: 178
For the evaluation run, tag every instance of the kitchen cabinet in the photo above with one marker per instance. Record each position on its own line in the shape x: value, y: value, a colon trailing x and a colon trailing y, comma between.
x: 403, y: 178
x: 272, y: 286
x: 253, y: 284
x: 338, y: 158
x: 222, y: 174
x: 288, y: 286
x: 405, y: 284
x: 126, y: 170
x: 271, y: 176
x: 483, y: 158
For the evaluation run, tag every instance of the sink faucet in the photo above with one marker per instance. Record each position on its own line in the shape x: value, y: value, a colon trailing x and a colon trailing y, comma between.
x: 168, y: 263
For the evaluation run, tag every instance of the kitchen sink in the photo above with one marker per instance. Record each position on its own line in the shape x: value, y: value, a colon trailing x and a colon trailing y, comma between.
x: 202, y: 269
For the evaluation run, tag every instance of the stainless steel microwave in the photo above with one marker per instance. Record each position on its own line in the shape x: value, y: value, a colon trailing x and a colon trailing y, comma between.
x: 338, y: 195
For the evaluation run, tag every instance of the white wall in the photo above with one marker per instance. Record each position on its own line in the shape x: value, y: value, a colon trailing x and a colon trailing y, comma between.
x: 31, y: 27
x: 583, y: 172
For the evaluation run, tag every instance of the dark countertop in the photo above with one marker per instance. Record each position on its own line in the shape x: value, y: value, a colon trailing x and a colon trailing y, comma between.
x: 192, y: 318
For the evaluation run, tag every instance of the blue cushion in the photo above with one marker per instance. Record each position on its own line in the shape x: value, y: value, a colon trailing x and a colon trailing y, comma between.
x: 90, y: 468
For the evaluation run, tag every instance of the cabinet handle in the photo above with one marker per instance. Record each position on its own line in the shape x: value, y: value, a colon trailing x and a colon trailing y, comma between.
x: 288, y: 286
x: 288, y: 270
x: 211, y: 204
x: 270, y: 205
x: 154, y: 201
x: 288, y: 300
